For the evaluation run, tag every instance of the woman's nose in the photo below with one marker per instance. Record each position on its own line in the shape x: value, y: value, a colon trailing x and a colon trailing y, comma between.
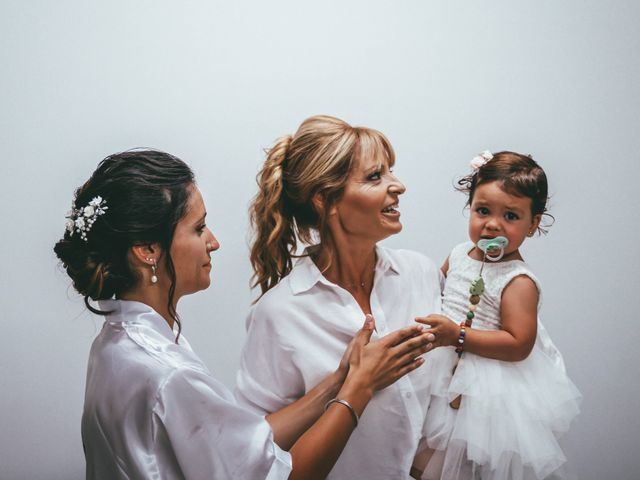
x: 212, y: 243
x: 396, y: 186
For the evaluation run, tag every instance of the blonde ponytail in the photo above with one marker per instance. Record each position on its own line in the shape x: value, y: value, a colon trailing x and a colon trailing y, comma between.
x: 275, y: 238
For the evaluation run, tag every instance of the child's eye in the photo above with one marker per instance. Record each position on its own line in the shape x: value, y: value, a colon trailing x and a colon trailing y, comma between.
x: 511, y: 216
x: 482, y: 210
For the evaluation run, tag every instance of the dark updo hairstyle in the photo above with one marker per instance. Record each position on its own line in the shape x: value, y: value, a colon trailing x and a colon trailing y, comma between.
x: 147, y: 193
x: 518, y: 175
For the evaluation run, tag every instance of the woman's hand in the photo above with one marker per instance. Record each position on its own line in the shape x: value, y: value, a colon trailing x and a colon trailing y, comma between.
x: 380, y: 363
x: 368, y: 366
x: 445, y: 330
x: 361, y: 338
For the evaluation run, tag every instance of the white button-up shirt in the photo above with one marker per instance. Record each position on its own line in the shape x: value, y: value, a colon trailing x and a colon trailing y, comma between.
x: 153, y: 410
x: 298, y: 332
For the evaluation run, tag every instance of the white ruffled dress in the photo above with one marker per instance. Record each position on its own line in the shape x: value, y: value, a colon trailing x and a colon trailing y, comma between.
x: 512, y: 413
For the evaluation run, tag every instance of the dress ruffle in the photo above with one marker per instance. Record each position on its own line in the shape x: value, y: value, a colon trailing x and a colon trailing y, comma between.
x: 510, y: 418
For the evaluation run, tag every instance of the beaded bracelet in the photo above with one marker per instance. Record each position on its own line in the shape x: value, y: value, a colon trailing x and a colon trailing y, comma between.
x: 460, y: 346
x: 346, y: 404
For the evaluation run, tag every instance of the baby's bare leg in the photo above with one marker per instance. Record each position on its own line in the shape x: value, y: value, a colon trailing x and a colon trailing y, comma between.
x: 421, y: 461
x: 428, y: 465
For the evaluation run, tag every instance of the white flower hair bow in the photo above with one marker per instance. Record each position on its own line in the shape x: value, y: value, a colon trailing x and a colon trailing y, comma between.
x: 480, y: 159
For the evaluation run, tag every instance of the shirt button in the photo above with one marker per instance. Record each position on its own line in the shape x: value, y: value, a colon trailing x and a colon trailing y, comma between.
x: 407, y: 395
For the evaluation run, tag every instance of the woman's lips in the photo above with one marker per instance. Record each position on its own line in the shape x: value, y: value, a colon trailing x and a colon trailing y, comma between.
x: 391, y: 210
x: 394, y: 213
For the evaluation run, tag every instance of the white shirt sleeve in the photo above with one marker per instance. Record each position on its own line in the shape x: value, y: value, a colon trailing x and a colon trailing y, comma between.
x: 210, y: 435
x: 268, y: 379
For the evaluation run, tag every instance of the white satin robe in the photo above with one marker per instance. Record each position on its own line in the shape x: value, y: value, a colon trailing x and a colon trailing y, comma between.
x: 152, y: 409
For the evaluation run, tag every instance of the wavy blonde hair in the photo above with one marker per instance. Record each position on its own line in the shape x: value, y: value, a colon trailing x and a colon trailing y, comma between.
x: 316, y: 160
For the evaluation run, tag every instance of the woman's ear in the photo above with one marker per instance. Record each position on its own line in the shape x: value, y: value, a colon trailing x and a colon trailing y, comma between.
x: 146, y: 255
x: 319, y: 204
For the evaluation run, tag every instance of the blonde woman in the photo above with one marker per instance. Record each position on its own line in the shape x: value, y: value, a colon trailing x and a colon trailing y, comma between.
x: 330, y: 187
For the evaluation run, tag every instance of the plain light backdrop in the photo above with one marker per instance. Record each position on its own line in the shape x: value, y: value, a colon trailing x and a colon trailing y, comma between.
x: 217, y: 82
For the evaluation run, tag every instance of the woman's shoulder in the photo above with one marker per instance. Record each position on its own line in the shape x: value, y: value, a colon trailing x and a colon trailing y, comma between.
x: 181, y: 378
x: 129, y: 361
x: 275, y: 299
x: 276, y: 307
x: 408, y: 260
x: 414, y: 267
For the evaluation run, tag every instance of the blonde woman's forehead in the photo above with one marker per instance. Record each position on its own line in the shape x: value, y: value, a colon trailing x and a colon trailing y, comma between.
x: 374, y: 145
x: 375, y: 159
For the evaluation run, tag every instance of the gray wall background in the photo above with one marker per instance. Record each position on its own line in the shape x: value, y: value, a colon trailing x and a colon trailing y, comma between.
x: 216, y: 82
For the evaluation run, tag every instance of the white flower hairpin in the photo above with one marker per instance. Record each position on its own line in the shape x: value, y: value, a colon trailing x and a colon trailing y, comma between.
x: 480, y: 159
x: 80, y: 220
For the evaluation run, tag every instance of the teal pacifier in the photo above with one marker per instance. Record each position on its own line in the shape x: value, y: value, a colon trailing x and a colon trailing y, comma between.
x: 490, y: 246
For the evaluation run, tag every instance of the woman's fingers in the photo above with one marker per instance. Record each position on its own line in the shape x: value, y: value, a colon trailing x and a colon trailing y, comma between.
x: 416, y: 345
x: 409, y: 350
x: 399, y: 336
x: 400, y: 371
x: 364, y: 334
x: 410, y: 366
x: 397, y: 353
x: 357, y: 344
x: 409, y: 355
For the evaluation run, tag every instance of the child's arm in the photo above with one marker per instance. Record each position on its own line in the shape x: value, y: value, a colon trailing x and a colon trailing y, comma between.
x: 519, y: 317
x: 445, y: 267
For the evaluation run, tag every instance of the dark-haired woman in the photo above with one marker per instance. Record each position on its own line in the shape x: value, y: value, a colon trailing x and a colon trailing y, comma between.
x: 331, y: 184
x: 137, y: 242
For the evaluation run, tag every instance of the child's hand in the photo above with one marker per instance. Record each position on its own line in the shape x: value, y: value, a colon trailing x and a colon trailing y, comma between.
x: 446, y: 331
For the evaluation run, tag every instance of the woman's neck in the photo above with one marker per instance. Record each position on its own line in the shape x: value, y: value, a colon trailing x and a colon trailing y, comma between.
x: 155, y: 297
x: 352, y: 265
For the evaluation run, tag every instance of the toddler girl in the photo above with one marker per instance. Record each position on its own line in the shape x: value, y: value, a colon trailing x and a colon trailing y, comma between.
x: 500, y: 395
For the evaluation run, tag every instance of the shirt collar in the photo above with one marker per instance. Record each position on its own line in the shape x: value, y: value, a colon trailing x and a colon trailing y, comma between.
x: 136, y: 313
x: 305, y: 274
x: 386, y: 261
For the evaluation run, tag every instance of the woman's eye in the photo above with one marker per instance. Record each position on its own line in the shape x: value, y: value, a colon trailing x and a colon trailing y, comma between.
x: 375, y: 176
x: 200, y: 228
